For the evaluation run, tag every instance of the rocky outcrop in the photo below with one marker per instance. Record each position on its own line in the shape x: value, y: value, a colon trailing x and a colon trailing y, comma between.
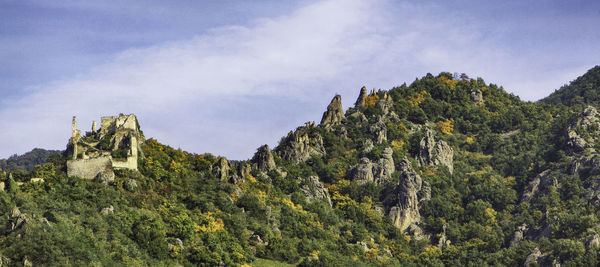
x: 535, y: 257
x: 300, y: 145
x: 403, y: 203
x: 385, y: 167
x: 361, y: 101
x: 334, y: 114
x: 436, y: 153
x: 540, y: 184
x: 380, y: 172
x: 17, y: 219
x: 582, y: 132
x: 477, y: 97
x: 263, y: 159
x: 386, y: 104
x: 379, y: 130
x: 594, y: 241
x: 221, y: 168
x: 518, y: 235
x: 315, y: 190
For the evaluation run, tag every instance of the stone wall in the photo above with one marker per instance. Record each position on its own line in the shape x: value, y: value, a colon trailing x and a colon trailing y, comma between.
x: 90, y: 168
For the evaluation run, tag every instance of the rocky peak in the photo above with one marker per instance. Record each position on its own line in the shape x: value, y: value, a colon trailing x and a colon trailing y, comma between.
x: 362, y: 98
x: 263, y: 159
x: 315, y: 190
x: 385, y: 103
x: 334, y: 114
x: 434, y: 152
x: 477, y: 96
x: 300, y: 145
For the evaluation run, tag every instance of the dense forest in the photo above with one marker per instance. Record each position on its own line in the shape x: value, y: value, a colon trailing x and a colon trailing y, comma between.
x: 27, y: 161
x: 446, y: 171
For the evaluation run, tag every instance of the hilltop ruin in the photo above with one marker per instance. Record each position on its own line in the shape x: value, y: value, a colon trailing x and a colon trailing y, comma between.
x: 116, y: 145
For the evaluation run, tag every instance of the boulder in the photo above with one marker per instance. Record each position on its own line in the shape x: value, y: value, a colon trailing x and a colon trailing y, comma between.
x: 334, y: 114
x: 105, y: 177
x: 436, y: 153
x: 263, y: 159
x: 315, y: 190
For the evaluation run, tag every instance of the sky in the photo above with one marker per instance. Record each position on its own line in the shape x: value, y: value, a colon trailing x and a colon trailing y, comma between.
x: 227, y: 76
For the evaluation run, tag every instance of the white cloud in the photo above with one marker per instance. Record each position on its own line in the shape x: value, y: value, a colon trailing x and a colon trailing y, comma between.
x: 234, y: 88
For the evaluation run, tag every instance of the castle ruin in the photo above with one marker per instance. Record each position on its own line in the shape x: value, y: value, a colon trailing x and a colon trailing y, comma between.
x: 116, y: 145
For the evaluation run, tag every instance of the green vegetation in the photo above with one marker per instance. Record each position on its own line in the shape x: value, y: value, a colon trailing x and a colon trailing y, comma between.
x: 181, y: 212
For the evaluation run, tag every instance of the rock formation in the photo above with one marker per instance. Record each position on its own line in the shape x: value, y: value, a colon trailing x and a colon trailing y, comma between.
x: 380, y: 172
x: 539, y: 185
x: 315, y: 190
x: 404, y: 202
x: 477, y: 97
x: 300, y: 145
x: 115, y: 145
x: 583, y: 130
x: 379, y: 131
x: 334, y: 114
x: 263, y: 159
x: 221, y: 168
x: 432, y: 152
x: 361, y: 101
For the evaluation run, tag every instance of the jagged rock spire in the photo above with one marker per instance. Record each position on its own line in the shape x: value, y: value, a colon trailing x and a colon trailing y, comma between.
x: 362, y: 98
x: 264, y: 159
x: 334, y: 113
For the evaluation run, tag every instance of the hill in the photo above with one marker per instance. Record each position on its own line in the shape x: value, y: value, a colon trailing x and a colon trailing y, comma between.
x: 446, y: 171
x: 585, y: 90
x: 27, y: 161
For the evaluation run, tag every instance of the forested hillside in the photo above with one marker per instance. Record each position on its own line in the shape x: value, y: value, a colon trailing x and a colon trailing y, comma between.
x: 446, y: 171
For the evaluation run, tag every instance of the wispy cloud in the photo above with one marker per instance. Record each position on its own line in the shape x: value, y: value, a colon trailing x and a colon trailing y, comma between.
x: 233, y: 88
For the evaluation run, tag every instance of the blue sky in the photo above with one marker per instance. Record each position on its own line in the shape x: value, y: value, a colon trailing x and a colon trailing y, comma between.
x: 228, y: 76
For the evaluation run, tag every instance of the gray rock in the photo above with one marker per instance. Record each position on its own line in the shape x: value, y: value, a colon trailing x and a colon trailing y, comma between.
x: 263, y: 159
x: 15, y: 212
x: 110, y: 210
x: 581, y: 133
x: 385, y: 167
x: 518, y: 235
x: 386, y: 104
x: 315, y: 190
x: 361, y: 101
x: 367, y: 146
x: 27, y: 262
x: 404, y: 211
x: 477, y: 96
x: 363, y: 172
x: 105, y: 177
x: 541, y: 183
x: 593, y: 242
x: 334, y: 114
x: 363, y: 245
x: 221, y: 168
x: 299, y: 146
x: 379, y: 130
x: 256, y: 240
x: 533, y: 257
x: 436, y: 153
x: 131, y: 185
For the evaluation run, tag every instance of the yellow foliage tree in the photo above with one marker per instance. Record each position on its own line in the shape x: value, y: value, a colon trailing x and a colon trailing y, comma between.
x: 446, y: 127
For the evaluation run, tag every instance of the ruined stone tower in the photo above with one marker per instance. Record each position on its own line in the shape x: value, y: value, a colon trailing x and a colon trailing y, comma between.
x: 115, y: 145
